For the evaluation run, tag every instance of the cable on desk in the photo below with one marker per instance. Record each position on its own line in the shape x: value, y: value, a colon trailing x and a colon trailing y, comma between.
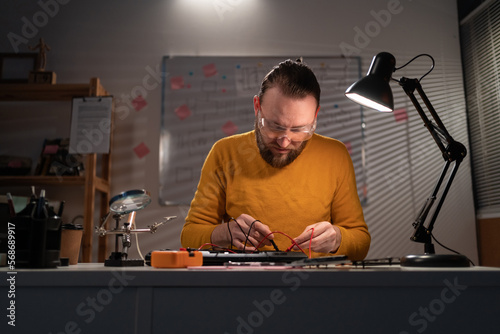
x: 214, y: 246
x: 451, y: 250
x: 286, y: 235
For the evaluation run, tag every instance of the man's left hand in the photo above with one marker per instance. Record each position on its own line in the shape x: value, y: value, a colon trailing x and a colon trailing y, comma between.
x: 325, y: 238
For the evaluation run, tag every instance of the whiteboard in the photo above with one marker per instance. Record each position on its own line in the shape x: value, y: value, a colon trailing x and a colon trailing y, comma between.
x: 207, y: 98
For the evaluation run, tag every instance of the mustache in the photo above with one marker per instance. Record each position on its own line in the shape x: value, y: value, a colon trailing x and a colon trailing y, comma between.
x: 268, y: 156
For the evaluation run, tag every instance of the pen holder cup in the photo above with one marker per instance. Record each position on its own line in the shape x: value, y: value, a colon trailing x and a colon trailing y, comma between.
x: 70, y: 242
x: 38, y: 242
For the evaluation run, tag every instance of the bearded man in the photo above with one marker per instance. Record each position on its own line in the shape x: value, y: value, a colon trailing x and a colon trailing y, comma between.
x: 281, y: 183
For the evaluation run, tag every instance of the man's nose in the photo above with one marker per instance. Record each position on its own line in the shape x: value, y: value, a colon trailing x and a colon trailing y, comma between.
x: 283, y: 141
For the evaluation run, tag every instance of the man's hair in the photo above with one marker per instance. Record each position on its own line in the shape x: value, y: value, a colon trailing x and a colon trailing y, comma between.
x: 294, y: 78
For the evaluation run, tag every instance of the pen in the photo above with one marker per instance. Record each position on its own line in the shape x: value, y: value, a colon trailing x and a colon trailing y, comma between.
x: 10, y: 203
x: 41, y: 204
x: 33, y: 194
x: 61, y: 208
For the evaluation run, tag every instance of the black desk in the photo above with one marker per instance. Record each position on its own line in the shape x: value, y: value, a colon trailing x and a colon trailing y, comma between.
x: 91, y: 298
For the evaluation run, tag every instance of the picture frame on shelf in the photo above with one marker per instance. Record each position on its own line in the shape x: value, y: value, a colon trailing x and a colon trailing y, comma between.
x: 16, y: 67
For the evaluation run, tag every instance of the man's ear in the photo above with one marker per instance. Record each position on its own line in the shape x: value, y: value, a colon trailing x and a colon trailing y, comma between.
x: 256, y: 104
x: 315, y: 116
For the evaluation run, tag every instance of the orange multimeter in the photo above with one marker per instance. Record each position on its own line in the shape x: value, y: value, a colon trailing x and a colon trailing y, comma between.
x: 176, y: 259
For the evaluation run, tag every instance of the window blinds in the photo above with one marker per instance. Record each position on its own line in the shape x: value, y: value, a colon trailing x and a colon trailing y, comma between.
x: 480, y: 41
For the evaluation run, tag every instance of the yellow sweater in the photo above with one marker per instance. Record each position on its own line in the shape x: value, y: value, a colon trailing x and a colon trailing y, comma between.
x: 318, y: 186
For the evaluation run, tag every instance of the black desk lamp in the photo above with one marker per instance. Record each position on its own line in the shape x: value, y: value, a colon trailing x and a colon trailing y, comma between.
x: 374, y: 91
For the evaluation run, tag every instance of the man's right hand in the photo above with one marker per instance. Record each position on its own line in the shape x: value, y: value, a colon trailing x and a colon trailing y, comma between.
x: 236, y: 231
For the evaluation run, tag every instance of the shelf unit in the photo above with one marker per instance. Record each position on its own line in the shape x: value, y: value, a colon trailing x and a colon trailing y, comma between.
x: 92, y: 183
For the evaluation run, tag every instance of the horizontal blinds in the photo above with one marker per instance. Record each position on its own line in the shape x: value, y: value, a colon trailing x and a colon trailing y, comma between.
x: 480, y: 39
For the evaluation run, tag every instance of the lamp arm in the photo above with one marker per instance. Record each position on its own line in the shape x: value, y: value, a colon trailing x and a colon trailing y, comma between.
x: 452, y: 152
x: 445, y: 192
x: 422, y: 233
x: 409, y: 86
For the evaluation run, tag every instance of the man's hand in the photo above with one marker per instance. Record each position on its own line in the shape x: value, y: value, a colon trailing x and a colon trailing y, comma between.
x: 236, y: 231
x: 325, y: 238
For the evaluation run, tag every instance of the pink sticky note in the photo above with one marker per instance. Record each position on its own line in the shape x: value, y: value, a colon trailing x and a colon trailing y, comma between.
x: 139, y: 103
x: 15, y: 164
x: 141, y: 150
x: 177, y: 83
x: 183, y: 112
x: 50, y: 149
x: 400, y: 115
x: 229, y: 128
x: 209, y: 70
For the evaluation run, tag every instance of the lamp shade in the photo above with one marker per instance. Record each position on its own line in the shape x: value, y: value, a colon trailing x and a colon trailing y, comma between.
x: 373, y: 91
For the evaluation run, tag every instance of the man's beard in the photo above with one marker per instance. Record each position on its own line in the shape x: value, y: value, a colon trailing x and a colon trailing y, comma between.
x: 278, y: 160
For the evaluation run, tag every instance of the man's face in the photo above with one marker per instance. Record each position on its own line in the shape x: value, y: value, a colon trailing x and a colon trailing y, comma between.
x: 285, y: 126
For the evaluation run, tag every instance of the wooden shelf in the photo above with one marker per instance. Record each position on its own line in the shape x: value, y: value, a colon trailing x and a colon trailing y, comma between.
x: 5, y: 181
x: 42, y: 180
x: 50, y: 92
x: 91, y: 182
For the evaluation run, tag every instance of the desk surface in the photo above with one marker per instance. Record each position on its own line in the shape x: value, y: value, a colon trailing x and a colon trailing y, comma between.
x: 94, y: 274
x: 91, y: 298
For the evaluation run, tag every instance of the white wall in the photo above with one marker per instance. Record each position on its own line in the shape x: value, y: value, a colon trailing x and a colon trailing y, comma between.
x: 123, y: 42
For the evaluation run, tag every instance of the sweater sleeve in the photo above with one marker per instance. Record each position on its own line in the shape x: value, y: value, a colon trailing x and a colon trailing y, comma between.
x: 347, y: 213
x: 208, y: 205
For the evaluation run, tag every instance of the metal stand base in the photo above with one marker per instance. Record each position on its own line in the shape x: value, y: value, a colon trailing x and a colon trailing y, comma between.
x: 435, y: 260
x: 116, y: 260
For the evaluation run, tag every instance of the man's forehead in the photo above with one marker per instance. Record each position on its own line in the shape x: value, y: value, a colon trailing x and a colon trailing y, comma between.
x: 275, y: 95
